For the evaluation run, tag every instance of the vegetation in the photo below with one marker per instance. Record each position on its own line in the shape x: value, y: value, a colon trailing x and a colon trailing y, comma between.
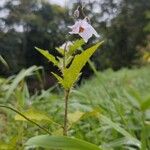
x: 111, y: 110
x: 123, y: 26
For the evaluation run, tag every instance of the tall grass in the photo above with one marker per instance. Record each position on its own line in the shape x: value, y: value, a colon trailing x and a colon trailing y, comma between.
x: 111, y: 109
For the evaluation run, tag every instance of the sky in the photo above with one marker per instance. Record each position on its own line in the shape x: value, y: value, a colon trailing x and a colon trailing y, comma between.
x: 59, y: 2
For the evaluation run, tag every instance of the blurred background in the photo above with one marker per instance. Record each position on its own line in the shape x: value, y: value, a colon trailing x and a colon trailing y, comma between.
x: 124, y: 25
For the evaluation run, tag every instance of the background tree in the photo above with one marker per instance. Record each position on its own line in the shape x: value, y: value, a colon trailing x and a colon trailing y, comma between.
x: 31, y: 23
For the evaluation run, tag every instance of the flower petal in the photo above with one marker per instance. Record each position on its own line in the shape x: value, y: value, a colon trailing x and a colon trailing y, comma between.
x: 84, y: 29
x: 86, y: 35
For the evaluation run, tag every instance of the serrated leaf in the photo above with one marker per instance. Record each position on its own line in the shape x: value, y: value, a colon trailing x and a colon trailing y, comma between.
x: 70, y: 75
x: 61, y: 62
x: 60, y: 142
x: 76, y: 44
x: 33, y: 114
x: 60, y: 80
x: 47, y: 55
x: 60, y: 50
x: 72, y: 48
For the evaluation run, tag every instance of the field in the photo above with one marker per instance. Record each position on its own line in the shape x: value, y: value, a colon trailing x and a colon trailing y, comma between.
x: 111, y: 110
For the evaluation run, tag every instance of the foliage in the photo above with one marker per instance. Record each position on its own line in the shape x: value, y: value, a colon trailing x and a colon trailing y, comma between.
x: 123, y: 25
x: 60, y: 142
x: 113, y: 109
x: 26, y: 21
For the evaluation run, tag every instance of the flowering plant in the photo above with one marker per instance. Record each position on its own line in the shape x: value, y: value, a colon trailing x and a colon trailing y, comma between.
x: 70, y: 66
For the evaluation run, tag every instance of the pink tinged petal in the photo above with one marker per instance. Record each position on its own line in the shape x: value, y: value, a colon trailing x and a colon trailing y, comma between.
x: 86, y: 35
x: 75, y: 27
x: 94, y: 32
x: 84, y: 23
x: 84, y: 29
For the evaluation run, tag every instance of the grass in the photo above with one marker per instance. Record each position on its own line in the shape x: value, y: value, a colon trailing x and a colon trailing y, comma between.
x: 111, y: 110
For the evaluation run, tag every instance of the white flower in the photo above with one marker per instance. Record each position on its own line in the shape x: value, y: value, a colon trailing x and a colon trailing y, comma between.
x: 66, y: 45
x: 84, y: 29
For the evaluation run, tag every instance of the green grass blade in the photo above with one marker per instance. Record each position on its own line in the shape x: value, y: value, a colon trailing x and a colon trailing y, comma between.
x: 23, y: 73
x: 120, y: 130
x: 4, y: 62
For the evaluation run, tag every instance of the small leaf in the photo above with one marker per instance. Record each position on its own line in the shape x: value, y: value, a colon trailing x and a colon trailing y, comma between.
x: 47, y: 55
x: 94, y: 113
x: 60, y: 142
x: 58, y: 132
x: 60, y: 80
x: 74, y: 117
x: 76, y: 44
x: 60, y: 50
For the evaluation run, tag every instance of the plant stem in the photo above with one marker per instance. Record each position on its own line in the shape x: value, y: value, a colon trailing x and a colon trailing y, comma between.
x: 65, y: 127
x: 16, y: 111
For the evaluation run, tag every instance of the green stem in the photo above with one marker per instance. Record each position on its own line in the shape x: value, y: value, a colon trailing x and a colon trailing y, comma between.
x: 65, y: 127
x: 67, y: 91
x: 16, y: 111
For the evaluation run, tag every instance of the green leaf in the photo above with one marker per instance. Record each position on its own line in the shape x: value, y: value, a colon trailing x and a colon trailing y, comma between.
x: 33, y: 114
x: 23, y: 73
x: 76, y: 44
x: 47, y: 55
x: 60, y: 80
x: 122, y: 131
x: 146, y: 104
x: 75, y: 117
x: 135, y: 95
x: 60, y: 142
x: 72, y: 48
x: 9, y: 146
x: 60, y: 50
x: 4, y: 146
x: 4, y: 62
x: 71, y: 74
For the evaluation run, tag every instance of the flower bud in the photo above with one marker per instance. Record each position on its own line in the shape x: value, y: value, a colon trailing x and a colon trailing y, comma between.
x: 76, y: 13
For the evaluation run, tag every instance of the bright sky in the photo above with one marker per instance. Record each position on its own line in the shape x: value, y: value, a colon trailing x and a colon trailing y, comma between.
x: 59, y: 2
